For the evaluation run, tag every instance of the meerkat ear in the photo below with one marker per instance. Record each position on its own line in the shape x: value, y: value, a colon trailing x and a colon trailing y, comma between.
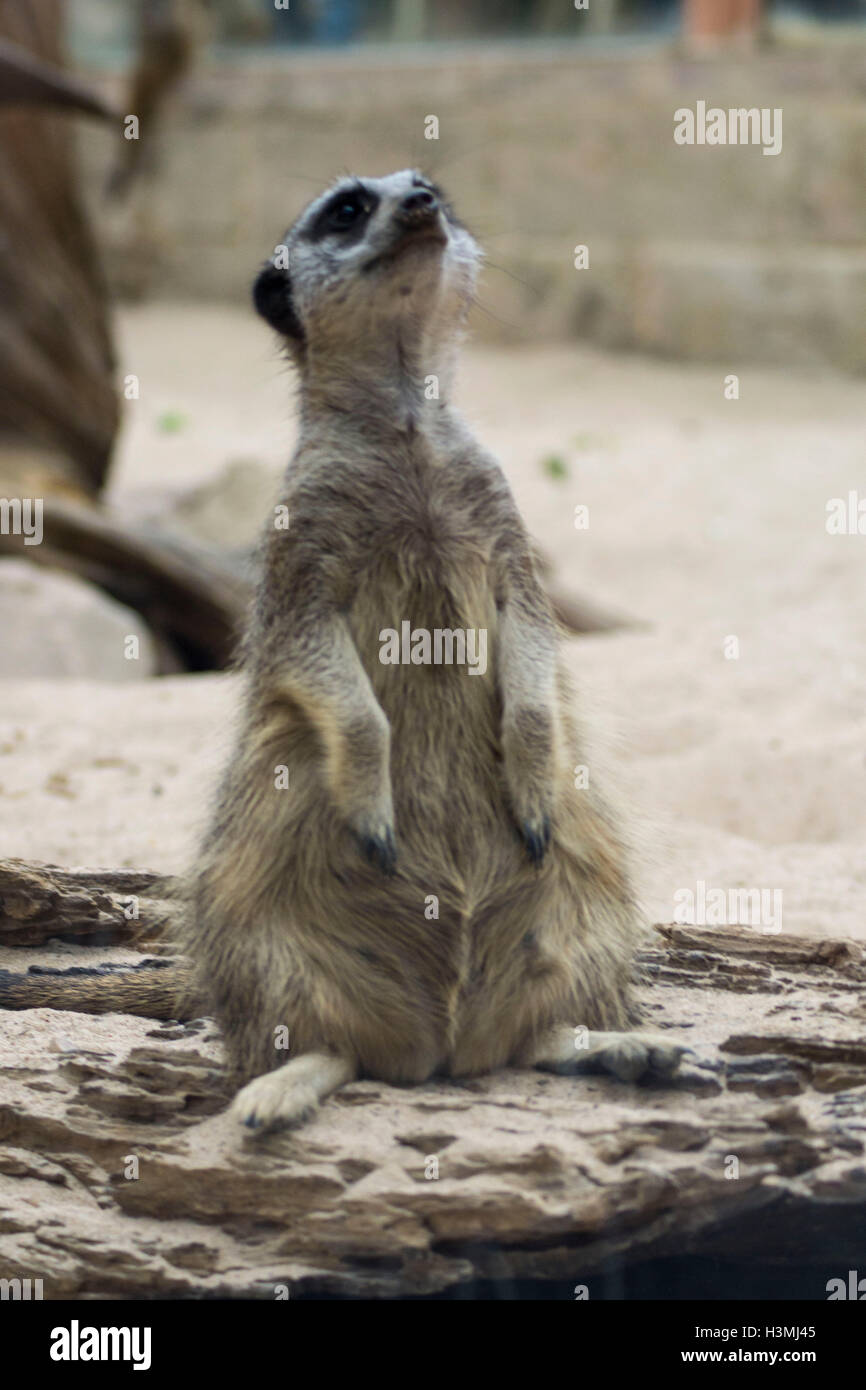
x: 272, y: 297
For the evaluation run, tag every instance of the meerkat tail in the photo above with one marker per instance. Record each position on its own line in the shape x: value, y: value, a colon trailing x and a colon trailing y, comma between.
x: 160, y: 988
x: 291, y: 1093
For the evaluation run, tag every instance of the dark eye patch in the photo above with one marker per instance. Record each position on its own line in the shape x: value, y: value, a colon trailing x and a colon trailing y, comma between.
x: 345, y: 215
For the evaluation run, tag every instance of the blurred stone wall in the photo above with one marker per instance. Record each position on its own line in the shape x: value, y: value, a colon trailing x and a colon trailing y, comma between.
x: 701, y: 252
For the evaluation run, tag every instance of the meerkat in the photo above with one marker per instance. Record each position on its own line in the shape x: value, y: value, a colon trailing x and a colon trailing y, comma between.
x: 400, y: 879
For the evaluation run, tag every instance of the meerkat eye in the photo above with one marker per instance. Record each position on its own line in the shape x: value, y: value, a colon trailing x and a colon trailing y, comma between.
x: 346, y: 213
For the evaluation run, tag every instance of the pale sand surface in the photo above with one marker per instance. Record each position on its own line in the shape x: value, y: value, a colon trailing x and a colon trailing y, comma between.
x: 706, y: 520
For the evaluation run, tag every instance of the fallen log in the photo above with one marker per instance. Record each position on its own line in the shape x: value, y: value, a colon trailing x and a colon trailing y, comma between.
x: 748, y: 1170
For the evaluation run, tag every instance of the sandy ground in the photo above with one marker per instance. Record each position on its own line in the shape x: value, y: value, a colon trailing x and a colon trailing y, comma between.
x: 706, y: 522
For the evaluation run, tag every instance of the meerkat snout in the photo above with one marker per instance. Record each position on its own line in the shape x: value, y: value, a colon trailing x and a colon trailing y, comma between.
x: 422, y: 206
x: 417, y: 221
x: 420, y: 212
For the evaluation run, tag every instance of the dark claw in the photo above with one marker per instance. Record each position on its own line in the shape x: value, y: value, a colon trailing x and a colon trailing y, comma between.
x: 537, y: 841
x: 381, y: 851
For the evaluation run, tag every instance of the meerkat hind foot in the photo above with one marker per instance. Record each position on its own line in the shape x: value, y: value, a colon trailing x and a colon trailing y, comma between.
x: 627, y: 1056
x: 291, y: 1093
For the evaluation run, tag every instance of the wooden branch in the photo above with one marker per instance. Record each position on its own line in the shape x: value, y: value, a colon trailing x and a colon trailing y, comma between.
x: 100, y: 907
x: 690, y: 946
x: 576, y: 612
x: 184, y: 592
x: 581, y: 615
x: 27, y: 80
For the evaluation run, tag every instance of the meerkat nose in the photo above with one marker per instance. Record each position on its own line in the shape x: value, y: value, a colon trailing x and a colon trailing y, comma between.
x: 418, y: 206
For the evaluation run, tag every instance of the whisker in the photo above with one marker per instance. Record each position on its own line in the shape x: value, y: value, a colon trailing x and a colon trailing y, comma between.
x: 304, y: 178
x: 448, y: 160
x: 533, y: 289
x: 506, y: 323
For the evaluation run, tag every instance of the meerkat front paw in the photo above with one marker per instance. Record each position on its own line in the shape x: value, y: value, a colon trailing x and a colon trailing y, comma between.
x: 379, y: 847
x: 527, y: 749
x: 372, y: 827
x: 535, y: 834
x: 360, y: 784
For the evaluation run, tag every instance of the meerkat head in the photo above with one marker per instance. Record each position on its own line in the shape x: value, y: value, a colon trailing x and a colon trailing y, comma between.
x: 368, y: 262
